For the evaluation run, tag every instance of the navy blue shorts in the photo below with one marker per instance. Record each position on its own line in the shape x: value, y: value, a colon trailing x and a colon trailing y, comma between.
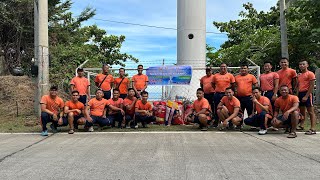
x: 83, y: 99
x: 308, y: 103
x: 196, y: 120
x: 285, y: 121
x: 246, y: 103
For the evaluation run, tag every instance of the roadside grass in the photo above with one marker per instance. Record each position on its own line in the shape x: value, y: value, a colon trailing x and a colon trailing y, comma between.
x: 20, y: 124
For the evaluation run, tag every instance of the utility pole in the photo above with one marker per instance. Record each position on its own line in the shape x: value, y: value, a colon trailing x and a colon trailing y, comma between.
x: 41, y: 48
x: 283, y: 29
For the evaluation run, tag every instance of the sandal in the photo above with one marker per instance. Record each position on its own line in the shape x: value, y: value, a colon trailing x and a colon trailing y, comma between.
x: 292, y: 135
x: 310, y: 132
x: 300, y: 128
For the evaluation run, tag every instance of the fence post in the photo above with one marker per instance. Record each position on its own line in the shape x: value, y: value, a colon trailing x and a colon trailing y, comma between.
x: 317, y: 87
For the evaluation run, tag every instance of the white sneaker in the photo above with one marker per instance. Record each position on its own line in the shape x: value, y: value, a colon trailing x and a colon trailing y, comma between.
x: 262, y: 132
x: 91, y: 129
x: 136, y: 126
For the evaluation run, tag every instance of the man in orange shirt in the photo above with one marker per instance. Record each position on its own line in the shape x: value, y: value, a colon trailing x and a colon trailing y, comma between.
x: 143, y: 110
x: 269, y: 82
x: 116, y: 113
x: 287, y: 76
x: 140, y: 81
x: 244, y: 84
x: 200, y: 110
x: 104, y: 81
x: 207, y: 85
x: 305, y: 88
x: 221, y: 81
x: 289, y: 106
x: 122, y: 83
x: 263, y: 109
x: 97, y: 108
x: 52, y: 111
x: 129, y: 105
x: 229, y: 110
x: 74, y: 111
x: 82, y: 85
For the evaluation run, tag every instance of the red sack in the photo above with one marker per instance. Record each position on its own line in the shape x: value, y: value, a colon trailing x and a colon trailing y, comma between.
x: 159, y: 109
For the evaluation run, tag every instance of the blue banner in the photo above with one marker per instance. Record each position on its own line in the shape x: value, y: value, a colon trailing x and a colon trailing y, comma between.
x: 169, y: 75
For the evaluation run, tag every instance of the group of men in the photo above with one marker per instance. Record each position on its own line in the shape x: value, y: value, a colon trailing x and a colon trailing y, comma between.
x: 281, y: 100
x: 125, y: 108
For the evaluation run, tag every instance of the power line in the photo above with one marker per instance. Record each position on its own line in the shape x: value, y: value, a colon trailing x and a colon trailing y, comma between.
x: 150, y: 26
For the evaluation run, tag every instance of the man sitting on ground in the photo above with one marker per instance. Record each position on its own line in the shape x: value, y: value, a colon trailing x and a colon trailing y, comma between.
x: 115, y: 110
x: 229, y: 111
x: 51, y: 111
x: 129, y: 105
x: 263, y: 108
x: 143, y: 110
x: 74, y: 110
x: 289, y: 106
x: 200, y: 110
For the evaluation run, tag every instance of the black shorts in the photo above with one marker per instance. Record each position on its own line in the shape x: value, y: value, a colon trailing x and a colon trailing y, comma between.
x: 285, y: 121
x: 308, y: 103
x: 196, y: 120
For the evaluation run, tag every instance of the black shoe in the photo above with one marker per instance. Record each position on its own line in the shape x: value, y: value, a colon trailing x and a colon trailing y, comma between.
x: 53, y: 128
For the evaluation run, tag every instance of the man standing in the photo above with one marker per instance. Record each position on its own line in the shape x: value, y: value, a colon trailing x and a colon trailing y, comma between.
x: 74, y: 110
x: 207, y: 85
x: 244, y: 83
x: 104, y: 81
x: 269, y: 82
x: 140, y: 81
x: 263, y: 109
x: 305, y: 88
x: 221, y: 81
x: 51, y: 111
x: 229, y: 110
x: 287, y: 76
x: 116, y: 113
x: 122, y: 83
x: 289, y: 106
x: 200, y: 110
x: 129, y: 105
x: 82, y: 85
x: 143, y: 110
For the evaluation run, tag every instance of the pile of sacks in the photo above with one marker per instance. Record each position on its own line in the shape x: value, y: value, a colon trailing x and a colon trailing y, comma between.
x: 171, y: 112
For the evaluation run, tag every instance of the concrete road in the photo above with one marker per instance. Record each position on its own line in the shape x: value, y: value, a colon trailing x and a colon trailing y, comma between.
x: 159, y: 155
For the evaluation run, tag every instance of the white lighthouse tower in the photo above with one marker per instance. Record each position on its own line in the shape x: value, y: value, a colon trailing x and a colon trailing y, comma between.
x: 191, y: 43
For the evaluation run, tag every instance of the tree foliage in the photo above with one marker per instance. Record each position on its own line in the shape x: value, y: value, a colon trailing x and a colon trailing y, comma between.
x: 71, y: 43
x: 256, y: 35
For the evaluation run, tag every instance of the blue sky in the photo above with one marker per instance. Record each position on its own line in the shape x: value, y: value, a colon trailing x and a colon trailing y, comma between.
x: 151, y: 45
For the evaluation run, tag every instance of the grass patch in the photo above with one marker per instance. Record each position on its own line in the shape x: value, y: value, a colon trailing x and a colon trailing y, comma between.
x: 13, y: 124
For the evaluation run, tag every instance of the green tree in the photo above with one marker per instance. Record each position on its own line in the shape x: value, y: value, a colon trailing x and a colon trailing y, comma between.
x: 71, y: 43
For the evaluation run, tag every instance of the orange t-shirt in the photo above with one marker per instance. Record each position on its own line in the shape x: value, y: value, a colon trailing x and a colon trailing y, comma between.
x: 128, y: 102
x: 267, y: 81
x: 244, y: 84
x: 77, y: 105
x: 139, y: 105
x: 286, y: 76
x: 106, y: 85
x: 80, y: 84
x: 53, y: 105
x: 265, y: 102
x: 207, y: 84
x: 203, y: 103
x: 222, y: 81
x: 285, y: 104
x: 117, y: 104
x: 123, y: 88
x: 140, y: 81
x: 231, y: 104
x: 304, y: 80
x: 97, y: 107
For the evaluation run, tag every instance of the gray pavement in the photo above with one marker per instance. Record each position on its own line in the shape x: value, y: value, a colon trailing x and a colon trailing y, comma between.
x: 163, y: 155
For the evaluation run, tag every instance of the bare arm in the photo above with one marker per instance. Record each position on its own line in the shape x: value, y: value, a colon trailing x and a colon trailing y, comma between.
x: 234, y: 114
x: 310, y: 90
x: 44, y: 109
